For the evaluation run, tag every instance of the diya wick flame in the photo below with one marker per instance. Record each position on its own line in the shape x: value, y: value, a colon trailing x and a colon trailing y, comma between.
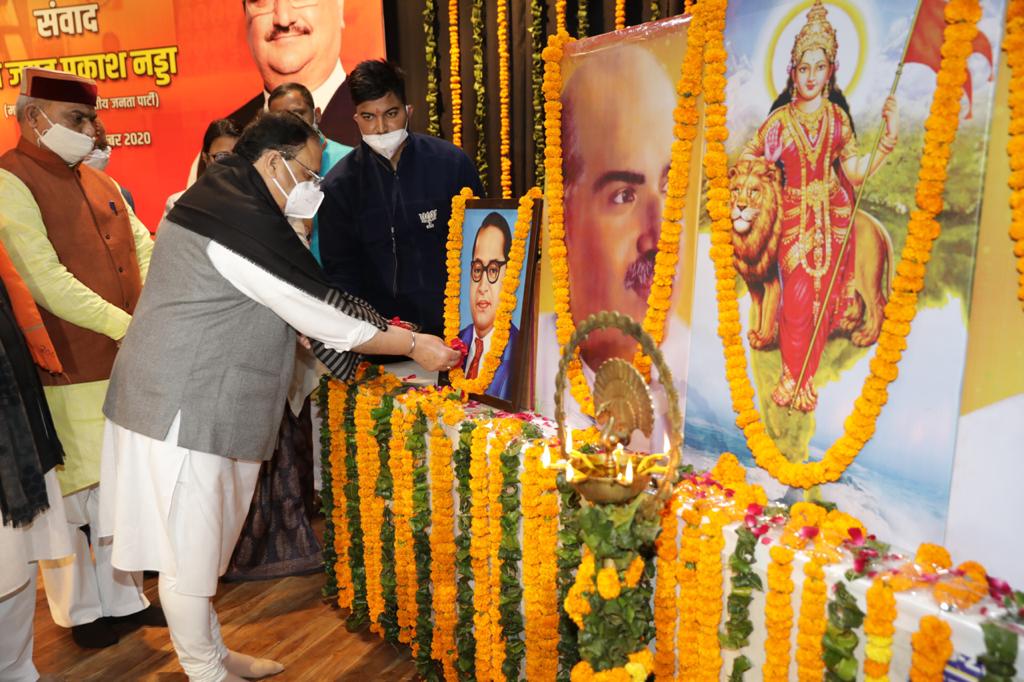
x: 570, y: 473
x: 627, y: 477
x: 545, y: 460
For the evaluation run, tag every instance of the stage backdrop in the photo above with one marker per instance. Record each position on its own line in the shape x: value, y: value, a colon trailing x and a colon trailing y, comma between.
x: 165, y: 69
x: 900, y: 484
x: 618, y: 95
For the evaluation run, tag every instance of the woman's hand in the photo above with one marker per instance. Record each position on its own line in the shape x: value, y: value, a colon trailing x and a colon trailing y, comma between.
x: 891, y: 116
x: 433, y: 354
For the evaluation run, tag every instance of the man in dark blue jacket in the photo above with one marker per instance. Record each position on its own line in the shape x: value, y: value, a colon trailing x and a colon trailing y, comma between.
x: 384, y: 219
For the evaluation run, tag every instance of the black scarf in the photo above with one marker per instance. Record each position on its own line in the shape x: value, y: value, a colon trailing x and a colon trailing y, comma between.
x: 28, y: 441
x: 231, y: 205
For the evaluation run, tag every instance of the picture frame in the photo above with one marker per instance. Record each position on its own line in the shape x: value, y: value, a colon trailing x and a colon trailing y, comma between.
x: 487, y: 232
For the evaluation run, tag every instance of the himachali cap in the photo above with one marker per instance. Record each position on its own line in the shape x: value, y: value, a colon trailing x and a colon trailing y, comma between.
x: 59, y: 86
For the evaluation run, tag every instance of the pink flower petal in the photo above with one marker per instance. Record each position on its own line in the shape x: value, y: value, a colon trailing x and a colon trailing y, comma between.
x: 755, y: 509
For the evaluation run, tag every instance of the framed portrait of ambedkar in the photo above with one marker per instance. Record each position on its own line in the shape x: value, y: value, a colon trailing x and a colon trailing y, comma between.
x: 492, y: 260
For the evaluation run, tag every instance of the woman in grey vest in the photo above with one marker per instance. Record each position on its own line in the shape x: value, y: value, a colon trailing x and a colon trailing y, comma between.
x: 199, y: 385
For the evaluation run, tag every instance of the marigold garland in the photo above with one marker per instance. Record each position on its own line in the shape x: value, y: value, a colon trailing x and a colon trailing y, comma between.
x: 879, y: 627
x: 812, y: 622
x: 337, y: 395
x: 479, y: 550
x: 507, y: 430
x: 778, y: 615
x: 504, y: 101
x: 401, y: 469
x: 940, y: 130
x: 559, y: 16
x: 665, y: 586
x: 686, y: 569
x: 540, y: 589
x: 454, y: 79
x: 709, y: 596
x: 620, y: 14
x: 932, y: 648
x: 442, y: 532
x: 371, y: 508
x: 1013, y: 45
x: 509, y: 288
x: 666, y: 260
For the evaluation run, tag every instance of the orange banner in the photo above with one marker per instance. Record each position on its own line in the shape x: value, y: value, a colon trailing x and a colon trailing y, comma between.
x: 166, y: 68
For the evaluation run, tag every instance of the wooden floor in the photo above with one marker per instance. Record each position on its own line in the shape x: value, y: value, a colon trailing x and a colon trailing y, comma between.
x: 280, y: 619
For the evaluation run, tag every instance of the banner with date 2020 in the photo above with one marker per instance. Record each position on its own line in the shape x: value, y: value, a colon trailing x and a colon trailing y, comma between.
x: 798, y: 167
x: 166, y: 68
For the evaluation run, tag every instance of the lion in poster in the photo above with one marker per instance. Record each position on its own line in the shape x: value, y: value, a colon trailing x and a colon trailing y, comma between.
x: 755, y: 193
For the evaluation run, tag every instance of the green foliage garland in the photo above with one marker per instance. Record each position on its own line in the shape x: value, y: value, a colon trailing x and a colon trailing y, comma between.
x: 537, y: 42
x: 360, y: 615
x: 1001, y: 642
x: 840, y: 641
x: 420, y: 521
x: 615, y: 628
x: 568, y: 554
x: 582, y: 20
x: 655, y: 15
x: 480, y: 89
x: 330, y: 588
x: 465, y: 642
x: 738, y: 627
x: 385, y: 490
x: 433, y: 97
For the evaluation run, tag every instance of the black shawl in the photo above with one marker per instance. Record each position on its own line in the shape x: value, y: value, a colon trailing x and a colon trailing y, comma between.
x: 231, y: 205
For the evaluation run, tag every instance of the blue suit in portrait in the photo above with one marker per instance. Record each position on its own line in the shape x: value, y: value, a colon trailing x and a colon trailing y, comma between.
x: 499, y: 387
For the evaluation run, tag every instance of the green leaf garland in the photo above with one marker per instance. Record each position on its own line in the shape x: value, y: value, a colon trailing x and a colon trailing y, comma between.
x: 840, y: 641
x: 745, y: 581
x: 465, y: 642
x: 510, y: 554
x: 385, y: 490
x: 420, y: 522
x: 537, y: 42
x: 433, y: 98
x: 569, y: 554
x: 330, y: 588
x: 480, y: 89
x: 582, y: 20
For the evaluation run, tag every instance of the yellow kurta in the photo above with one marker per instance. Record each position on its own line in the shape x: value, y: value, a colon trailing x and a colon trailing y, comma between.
x: 77, y: 408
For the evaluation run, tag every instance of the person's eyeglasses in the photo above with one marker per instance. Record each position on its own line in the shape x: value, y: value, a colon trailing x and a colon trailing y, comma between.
x: 312, y: 174
x: 258, y: 7
x: 493, y: 269
x: 219, y: 156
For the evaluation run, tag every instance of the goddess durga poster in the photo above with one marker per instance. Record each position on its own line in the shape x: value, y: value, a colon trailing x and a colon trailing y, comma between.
x: 826, y: 107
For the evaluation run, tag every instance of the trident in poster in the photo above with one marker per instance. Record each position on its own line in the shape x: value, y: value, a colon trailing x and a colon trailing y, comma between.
x: 820, y: 314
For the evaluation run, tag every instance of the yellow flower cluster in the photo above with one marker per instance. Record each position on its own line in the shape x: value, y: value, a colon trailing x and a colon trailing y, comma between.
x: 559, y: 16
x: 728, y: 470
x: 686, y: 602
x: 1013, y: 45
x: 666, y: 260
x: 504, y: 100
x: 455, y: 80
x: 554, y: 192
x: 665, y: 592
x: 441, y: 411
x: 932, y: 648
x: 540, y: 567
x: 940, y: 130
x: 480, y: 548
x: 636, y: 670
x: 371, y: 507
x: 879, y: 627
x: 400, y: 461
x: 964, y: 588
x: 608, y: 584
x: 453, y: 264
x: 778, y: 615
x: 620, y: 14
x: 509, y: 288
x: 932, y: 558
x: 709, y: 596
x: 576, y: 603
x: 337, y: 394
x: 812, y: 624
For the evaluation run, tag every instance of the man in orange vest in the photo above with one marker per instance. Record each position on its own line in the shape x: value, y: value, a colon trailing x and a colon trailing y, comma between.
x: 83, y: 256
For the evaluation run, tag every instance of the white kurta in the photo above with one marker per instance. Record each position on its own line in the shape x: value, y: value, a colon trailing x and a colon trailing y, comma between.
x: 45, y: 538
x: 179, y: 511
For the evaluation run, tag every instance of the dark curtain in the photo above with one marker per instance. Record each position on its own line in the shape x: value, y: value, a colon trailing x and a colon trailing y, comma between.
x: 406, y: 44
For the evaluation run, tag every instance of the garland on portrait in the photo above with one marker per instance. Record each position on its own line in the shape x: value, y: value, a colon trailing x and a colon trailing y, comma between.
x: 923, y: 228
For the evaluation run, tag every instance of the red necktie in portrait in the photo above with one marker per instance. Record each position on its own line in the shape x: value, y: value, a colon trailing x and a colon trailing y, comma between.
x: 474, y: 366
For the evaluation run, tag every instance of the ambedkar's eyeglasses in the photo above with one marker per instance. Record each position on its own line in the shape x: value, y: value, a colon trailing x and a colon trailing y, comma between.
x: 258, y: 7
x: 493, y: 269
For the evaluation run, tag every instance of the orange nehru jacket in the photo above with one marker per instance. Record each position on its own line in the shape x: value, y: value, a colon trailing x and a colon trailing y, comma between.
x: 87, y: 224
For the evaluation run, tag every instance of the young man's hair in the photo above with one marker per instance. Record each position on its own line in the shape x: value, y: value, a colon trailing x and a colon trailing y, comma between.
x: 375, y: 78
x: 280, y: 131
x: 221, y: 127
x: 287, y: 88
x: 495, y: 219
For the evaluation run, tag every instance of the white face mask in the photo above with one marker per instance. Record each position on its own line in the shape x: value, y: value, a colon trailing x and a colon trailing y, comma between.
x: 304, y: 199
x: 65, y: 142
x: 97, y: 158
x: 386, y: 144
